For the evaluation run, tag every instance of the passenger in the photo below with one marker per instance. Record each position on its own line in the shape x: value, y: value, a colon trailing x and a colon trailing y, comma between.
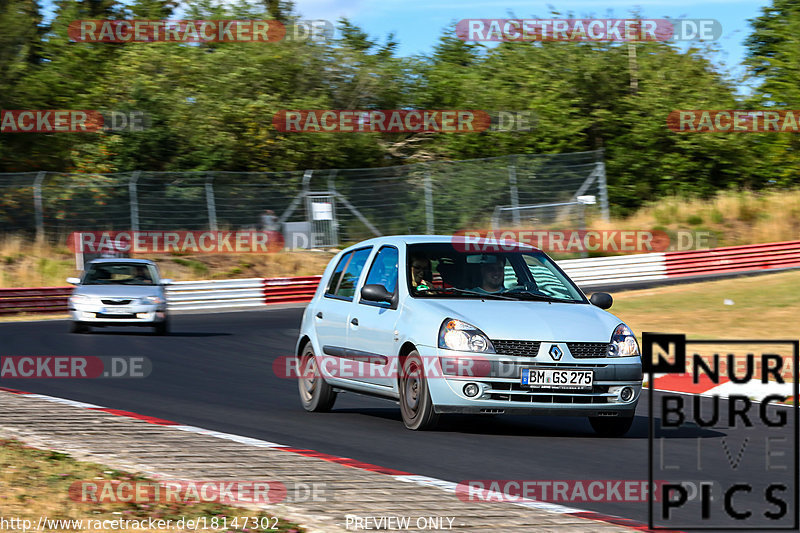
x: 421, y: 273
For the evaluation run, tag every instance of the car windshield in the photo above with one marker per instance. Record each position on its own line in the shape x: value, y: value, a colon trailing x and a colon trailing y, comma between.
x: 119, y: 274
x: 448, y: 270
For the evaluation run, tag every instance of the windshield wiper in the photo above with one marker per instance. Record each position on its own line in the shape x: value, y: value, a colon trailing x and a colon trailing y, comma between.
x: 465, y: 291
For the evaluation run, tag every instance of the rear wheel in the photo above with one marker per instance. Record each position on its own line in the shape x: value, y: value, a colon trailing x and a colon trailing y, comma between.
x: 416, y: 406
x: 316, y: 394
x: 78, y: 327
x: 607, y: 426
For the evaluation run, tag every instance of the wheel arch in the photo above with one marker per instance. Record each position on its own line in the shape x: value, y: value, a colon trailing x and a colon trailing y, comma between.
x: 405, y: 349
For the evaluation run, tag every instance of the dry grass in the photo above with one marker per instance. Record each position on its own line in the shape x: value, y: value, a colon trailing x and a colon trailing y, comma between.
x: 764, y: 307
x: 24, y: 263
x: 734, y: 217
x: 35, y: 483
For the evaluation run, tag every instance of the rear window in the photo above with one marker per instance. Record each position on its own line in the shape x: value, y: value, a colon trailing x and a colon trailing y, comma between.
x: 345, y: 276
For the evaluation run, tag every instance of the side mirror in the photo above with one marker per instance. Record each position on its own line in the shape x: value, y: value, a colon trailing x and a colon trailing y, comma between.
x: 74, y: 281
x: 603, y: 300
x: 376, y: 293
x: 166, y: 281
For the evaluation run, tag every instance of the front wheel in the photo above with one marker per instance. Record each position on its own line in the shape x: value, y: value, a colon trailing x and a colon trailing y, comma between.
x: 611, y: 426
x: 78, y: 327
x: 162, y: 328
x: 416, y: 406
x: 316, y: 394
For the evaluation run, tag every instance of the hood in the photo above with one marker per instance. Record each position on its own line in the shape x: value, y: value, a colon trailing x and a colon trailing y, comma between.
x: 526, y: 320
x: 119, y: 291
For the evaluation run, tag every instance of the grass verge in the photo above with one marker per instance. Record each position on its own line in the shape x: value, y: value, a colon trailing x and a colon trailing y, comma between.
x: 35, y: 483
x: 763, y: 307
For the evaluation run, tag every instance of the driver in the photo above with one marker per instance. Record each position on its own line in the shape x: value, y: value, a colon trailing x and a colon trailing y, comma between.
x: 492, y: 276
x: 141, y: 275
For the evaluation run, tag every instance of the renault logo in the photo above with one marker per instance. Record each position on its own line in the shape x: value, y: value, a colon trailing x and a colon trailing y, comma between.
x: 555, y: 352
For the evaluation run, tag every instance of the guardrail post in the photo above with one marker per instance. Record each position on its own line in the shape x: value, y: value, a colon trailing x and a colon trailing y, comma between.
x: 212, y: 208
x: 134, y: 198
x: 37, y: 205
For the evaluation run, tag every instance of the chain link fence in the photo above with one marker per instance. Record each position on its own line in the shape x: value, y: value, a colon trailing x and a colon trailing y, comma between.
x: 339, y: 206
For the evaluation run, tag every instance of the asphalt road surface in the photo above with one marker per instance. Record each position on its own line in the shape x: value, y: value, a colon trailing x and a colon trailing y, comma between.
x: 215, y: 371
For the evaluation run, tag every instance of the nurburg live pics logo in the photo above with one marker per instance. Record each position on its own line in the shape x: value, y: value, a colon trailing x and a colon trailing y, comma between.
x: 733, y: 434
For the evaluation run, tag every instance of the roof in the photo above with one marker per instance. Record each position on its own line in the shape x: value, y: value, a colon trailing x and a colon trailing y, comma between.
x: 122, y: 260
x: 419, y: 239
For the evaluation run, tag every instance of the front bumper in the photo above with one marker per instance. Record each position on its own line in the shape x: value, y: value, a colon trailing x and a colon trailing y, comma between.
x: 501, y: 390
x: 131, y: 315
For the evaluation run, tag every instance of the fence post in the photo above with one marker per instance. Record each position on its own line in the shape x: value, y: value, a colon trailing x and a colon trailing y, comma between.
x: 428, y: 203
x: 512, y: 184
x: 212, y: 208
x: 37, y: 205
x: 601, y: 178
x: 134, y: 200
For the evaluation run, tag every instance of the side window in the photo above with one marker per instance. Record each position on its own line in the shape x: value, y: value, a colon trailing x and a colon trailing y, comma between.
x: 345, y: 275
x: 337, y: 274
x: 384, y: 269
x: 547, y: 282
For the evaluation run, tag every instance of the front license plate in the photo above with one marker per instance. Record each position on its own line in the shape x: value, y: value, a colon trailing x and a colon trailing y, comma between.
x: 117, y: 310
x: 550, y: 378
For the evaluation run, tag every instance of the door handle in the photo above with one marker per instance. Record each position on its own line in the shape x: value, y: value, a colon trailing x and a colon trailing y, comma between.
x: 354, y: 321
x: 319, y: 314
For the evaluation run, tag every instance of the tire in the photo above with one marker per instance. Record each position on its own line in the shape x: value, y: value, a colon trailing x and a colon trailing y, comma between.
x: 316, y: 394
x: 78, y: 327
x: 416, y: 406
x: 162, y: 328
x: 611, y: 426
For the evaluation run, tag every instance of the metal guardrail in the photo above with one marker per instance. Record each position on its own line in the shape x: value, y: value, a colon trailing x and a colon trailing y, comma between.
x: 732, y: 259
x: 34, y: 300
x: 215, y: 294
x: 615, y: 270
x: 587, y: 273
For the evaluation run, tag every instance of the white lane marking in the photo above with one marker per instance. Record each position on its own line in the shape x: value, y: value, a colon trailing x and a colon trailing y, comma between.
x: 754, y: 389
x: 229, y: 436
x: 64, y: 401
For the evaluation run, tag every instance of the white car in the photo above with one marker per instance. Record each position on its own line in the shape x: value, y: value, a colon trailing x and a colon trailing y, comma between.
x: 444, y: 325
x: 119, y: 292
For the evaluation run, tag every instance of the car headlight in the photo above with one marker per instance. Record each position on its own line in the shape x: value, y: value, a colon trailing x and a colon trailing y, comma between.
x: 623, y: 343
x: 458, y: 335
x: 80, y: 299
x: 152, y: 300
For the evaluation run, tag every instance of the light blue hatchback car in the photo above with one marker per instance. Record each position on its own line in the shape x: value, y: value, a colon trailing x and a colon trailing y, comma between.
x: 444, y: 324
